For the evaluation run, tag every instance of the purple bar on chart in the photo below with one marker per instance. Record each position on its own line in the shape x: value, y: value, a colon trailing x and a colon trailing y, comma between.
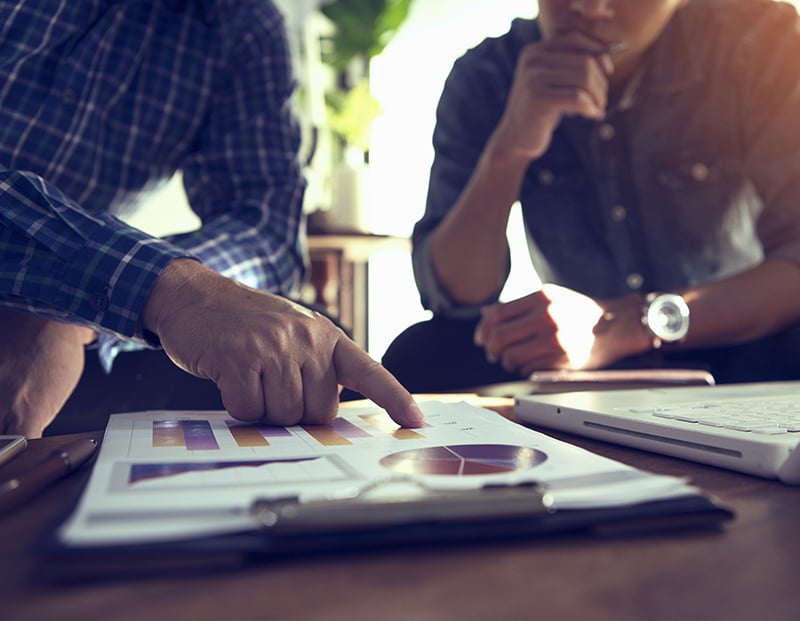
x: 167, y: 433
x: 247, y: 435
x: 198, y: 435
x: 348, y: 429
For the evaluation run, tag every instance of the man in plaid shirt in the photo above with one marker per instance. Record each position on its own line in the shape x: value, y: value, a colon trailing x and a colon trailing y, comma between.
x: 101, y: 100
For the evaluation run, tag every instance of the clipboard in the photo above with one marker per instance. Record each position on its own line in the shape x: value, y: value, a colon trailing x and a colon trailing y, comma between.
x: 285, y: 528
x: 494, y: 513
x: 468, y: 476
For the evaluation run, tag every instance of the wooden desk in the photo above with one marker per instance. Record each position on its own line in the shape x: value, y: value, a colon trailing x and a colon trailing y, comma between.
x: 746, y: 571
x: 339, y: 280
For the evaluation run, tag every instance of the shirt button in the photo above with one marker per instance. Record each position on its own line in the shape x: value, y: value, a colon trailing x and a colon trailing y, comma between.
x: 699, y: 171
x: 634, y: 281
x: 618, y: 213
x: 68, y: 96
x: 546, y: 177
x: 100, y: 302
x: 606, y: 132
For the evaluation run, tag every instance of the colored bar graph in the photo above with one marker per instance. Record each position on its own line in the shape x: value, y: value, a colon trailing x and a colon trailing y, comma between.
x: 199, y: 436
x: 256, y: 435
x: 387, y: 425
x: 167, y: 433
x: 406, y: 434
x: 326, y: 435
x: 247, y: 435
x: 194, y: 435
x: 348, y: 429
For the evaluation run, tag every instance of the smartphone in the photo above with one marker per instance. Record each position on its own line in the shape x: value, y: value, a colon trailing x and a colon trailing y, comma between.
x: 10, y: 446
x: 683, y: 377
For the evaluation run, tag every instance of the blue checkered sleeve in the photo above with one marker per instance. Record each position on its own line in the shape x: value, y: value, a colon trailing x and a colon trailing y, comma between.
x: 59, y: 262
x: 105, y: 99
x: 246, y: 183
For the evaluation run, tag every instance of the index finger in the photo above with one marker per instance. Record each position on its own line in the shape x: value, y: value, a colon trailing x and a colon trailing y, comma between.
x: 357, y: 370
x: 576, y: 42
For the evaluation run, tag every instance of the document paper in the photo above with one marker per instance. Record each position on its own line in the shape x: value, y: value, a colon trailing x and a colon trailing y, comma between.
x: 167, y: 475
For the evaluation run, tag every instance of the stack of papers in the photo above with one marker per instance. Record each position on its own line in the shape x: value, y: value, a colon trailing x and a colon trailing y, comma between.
x: 167, y: 475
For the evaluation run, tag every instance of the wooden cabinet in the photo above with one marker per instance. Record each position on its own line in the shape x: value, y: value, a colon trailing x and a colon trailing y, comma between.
x: 339, y: 276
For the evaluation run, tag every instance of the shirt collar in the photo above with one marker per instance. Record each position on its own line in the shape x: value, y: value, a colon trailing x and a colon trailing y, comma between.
x: 671, y: 65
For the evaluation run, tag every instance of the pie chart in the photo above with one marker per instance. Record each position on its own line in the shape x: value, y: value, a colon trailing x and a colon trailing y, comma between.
x: 464, y: 460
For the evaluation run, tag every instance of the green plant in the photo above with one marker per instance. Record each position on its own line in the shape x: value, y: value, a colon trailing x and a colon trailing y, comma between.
x: 351, y: 113
x: 361, y: 31
x: 362, y: 28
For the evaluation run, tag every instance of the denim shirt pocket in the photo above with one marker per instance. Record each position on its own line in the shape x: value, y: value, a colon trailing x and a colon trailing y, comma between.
x: 701, y: 190
x: 559, y: 206
x: 705, y: 211
x: 555, y: 200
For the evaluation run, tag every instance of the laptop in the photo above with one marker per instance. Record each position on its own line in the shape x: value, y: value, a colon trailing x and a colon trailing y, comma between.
x: 751, y: 428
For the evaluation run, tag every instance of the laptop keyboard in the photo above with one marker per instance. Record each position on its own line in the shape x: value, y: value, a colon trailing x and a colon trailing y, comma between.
x: 772, y: 417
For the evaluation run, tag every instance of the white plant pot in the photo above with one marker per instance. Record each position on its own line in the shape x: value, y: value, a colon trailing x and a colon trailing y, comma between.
x: 348, y: 211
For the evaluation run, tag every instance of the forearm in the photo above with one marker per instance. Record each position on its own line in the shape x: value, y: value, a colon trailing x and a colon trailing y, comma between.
x: 36, y: 331
x: 744, y: 307
x: 738, y: 309
x: 469, y: 249
x: 41, y: 362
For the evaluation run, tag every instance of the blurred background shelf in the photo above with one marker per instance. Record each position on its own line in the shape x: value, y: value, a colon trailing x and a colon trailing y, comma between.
x: 339, y: 279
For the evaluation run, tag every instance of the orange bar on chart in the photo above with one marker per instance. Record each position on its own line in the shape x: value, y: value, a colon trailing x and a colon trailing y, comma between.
x: 387, y: 425
x: 407, y: 434
x: 168, y: 433
x: 325, y: 435
x: 247, y: 435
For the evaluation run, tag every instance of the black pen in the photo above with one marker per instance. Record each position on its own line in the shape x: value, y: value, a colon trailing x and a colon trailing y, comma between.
x: 58, y: 464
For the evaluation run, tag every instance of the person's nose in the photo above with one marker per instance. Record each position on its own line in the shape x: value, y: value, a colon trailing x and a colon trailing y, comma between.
x: 593, y: 9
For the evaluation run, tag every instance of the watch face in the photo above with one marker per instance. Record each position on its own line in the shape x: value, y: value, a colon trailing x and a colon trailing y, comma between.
x: 668, y: 317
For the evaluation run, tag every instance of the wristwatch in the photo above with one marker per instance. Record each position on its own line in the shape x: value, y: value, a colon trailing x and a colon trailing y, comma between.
x: 666, y: 318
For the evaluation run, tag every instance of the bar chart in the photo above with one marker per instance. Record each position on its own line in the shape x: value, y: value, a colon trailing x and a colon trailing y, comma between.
x: 201, y: 435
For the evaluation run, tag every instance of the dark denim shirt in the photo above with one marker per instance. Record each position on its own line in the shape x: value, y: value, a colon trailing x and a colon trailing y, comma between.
x: 694, y: 177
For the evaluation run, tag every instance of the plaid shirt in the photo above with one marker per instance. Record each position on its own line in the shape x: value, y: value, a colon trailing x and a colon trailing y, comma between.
x: 100, y: 101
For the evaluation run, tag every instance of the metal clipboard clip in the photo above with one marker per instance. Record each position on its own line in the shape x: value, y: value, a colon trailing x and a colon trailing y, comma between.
x: 397, y: 502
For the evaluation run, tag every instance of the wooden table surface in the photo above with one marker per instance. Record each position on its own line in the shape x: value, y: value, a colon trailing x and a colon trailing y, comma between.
x: 747, y: 570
